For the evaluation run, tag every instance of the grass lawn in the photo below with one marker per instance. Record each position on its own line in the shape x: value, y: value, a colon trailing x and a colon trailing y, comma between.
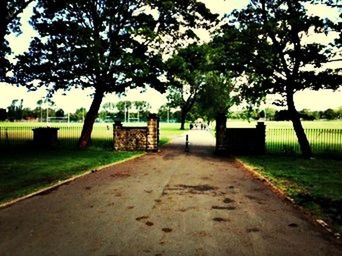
x: 24, y: 170
x: 169, y: 131
x: 315, y: 184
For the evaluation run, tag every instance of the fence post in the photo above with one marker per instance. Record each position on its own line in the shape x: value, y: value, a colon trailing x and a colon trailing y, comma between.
x: 261, y: 138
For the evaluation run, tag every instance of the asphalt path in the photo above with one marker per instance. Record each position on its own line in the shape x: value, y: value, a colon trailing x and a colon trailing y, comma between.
x: 166, y: 203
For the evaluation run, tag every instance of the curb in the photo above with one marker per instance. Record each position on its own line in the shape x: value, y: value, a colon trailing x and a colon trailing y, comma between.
x: 63, y: 182
x: 285, y: 197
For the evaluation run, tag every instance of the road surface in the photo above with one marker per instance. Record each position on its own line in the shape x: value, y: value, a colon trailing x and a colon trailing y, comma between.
x: 167, y: 203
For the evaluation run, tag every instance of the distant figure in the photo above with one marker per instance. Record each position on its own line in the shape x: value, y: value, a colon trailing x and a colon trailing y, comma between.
x: 202, y: 126
x: 191, y: 126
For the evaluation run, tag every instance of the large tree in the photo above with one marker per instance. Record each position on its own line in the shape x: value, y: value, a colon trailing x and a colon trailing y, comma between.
x: 185, y: 69
x: 105, y: 45
x: 269, y: 42
x: 9, y: 22
x: 215, y: 99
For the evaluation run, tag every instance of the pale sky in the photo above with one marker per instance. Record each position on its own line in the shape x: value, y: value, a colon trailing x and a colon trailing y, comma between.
x: 74, y: 99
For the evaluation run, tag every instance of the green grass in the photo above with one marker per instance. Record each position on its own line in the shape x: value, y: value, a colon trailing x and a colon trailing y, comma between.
x: 315, y: 184
x: 25, y: 169
x: 169, y: 131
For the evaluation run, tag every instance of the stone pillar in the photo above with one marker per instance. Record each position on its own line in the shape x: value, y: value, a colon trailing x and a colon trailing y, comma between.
x: 116, y: 131
x: 261, y: 138
x: 152, y: 133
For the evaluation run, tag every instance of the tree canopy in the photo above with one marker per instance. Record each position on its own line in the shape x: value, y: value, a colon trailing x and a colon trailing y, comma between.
x: 9, y: 22
x: 105, y: 45
x: 269, y: 44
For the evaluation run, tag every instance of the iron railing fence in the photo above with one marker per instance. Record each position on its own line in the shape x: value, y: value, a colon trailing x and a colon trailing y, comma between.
x: 322, y: 141
x: 278, y: 140
x: 11, y: 136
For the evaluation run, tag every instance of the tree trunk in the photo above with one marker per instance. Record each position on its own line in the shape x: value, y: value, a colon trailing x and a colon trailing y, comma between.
x: 89, y: 120
x: 183, y: 119
x: 221, y: 121
x: 297, y: 126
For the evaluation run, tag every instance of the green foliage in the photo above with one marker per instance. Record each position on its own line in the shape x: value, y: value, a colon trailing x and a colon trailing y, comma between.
x: 105, y: 45
x: 215, y: 95
x: 15, y: 110
x: 3, y: 114
x: 266, y: 43
x: 9, y: 23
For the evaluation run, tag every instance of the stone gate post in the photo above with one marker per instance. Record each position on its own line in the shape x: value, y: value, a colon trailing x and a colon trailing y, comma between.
x: 152, y: 133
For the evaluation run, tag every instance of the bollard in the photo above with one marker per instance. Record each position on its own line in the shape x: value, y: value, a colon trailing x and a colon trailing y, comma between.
x: 187, y: 143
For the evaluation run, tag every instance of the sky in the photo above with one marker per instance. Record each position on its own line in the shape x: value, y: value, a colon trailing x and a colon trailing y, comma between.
x: 74, y: 99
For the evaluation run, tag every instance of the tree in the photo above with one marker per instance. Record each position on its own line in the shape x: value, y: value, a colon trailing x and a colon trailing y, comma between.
x: 3, y: 114
x: 60, y: 113
x: 143, y: 108
x: 267, y: 42
x: 184, y: 71
x: 215, y: 99
x: 123, y: 108
x: 329, y: 114
x: 9, y: 22
x: 79, y: 115
x: 105, y: 45
x: 15, y: 110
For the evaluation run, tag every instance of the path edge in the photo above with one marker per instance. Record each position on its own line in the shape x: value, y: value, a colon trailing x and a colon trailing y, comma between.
x: 63, y: 182
x: 321, y: 223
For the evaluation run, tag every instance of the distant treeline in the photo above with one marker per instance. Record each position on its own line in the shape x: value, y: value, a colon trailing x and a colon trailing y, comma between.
x: 47, y: 111
x: 139, y: 110
x: 283, y: 115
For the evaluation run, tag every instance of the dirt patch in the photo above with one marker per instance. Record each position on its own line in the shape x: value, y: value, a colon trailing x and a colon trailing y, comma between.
x: 167, y: 230
x: 141, y: 218
x: 228, y: 200
x: 149, y: 223
x: 253, y: 230
x: 130, y: 207
x: 201, y: 188
x: 186, y: 209
x: 219, y: 219
x: 182, y: 189
x: 223, y: 207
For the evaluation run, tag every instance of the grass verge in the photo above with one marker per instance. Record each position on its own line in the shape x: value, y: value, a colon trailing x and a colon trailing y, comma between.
x: 314, y: 184
x: 25, y: 171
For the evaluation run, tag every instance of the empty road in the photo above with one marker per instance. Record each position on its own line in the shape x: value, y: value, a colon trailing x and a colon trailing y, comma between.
x: 167, y: 203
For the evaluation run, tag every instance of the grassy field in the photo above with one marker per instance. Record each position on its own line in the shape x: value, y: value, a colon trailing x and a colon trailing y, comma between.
x: 315, y: 184
x: 23, y: 171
